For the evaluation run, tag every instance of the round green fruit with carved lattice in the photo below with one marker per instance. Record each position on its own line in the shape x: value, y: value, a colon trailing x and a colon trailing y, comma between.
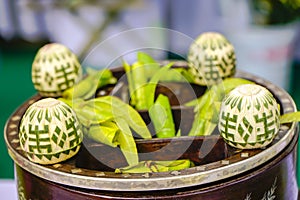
x: 50, y: 132
x: 249, y: 117
x: 55, y: 68
x: 211, y: 59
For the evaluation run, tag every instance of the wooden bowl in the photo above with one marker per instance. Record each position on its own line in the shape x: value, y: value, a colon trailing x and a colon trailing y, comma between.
x: 221, y: 172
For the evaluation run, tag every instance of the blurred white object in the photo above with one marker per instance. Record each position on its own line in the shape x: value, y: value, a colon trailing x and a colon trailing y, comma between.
x: 262, y: 50
x: 68, y: 29
x: 6, y: 28
x: 191, y: 19
x: 18, y: 20
x: 265, y: 52
x: 8, y: 189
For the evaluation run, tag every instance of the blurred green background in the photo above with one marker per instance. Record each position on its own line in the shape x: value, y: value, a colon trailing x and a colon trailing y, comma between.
x: 16, y: 86
x: 81, y: 25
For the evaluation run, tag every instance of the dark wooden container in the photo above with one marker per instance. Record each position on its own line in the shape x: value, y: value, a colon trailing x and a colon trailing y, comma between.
x: 275, y: 178
x: 221, y: 172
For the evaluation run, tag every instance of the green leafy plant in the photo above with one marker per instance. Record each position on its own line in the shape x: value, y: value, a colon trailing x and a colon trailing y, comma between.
x: 156, y: 166
x: 109, y: 120
x: 207, y: 107
x: 272, y: 12
x: 161, y: 116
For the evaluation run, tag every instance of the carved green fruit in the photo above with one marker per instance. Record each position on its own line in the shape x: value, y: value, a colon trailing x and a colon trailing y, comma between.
x: 54, y: 69
x: 211, y: 58
x: 249, y: 117
x: 50, y: 132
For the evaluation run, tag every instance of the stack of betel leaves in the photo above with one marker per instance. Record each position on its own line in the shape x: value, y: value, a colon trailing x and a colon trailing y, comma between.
x: 110, y: 120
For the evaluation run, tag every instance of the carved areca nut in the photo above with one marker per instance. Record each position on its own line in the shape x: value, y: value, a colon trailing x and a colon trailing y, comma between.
x: 55, y: 68
x: 50, y: 132
x: 211, y: 59
x: 249, y: 117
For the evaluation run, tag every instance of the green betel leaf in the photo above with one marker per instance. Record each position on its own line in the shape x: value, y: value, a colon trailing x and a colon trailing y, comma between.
x: 90, y: 112
x: 178, y: 75
x: 108, y: 120
x: 79, y: 90
x: 150, y: 65
x: 139, y: 79
x: 130, y: 80
x: 145, y: 58
x: 174, y: 165
x: 207, y: 107
x: 141, y: 89
x: 231, y: 83
x: 105, y: 133
x: 223, y: 88
x: 87, y: 87
x: 290, y: 117
x: 156, y: 166
x: 126, y: 142
x: 136, y: 80
x: 100, y: 111
x: 151, y: 86
x: 128, y: 113
x: 162, y: 118
x: 141, y: 167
